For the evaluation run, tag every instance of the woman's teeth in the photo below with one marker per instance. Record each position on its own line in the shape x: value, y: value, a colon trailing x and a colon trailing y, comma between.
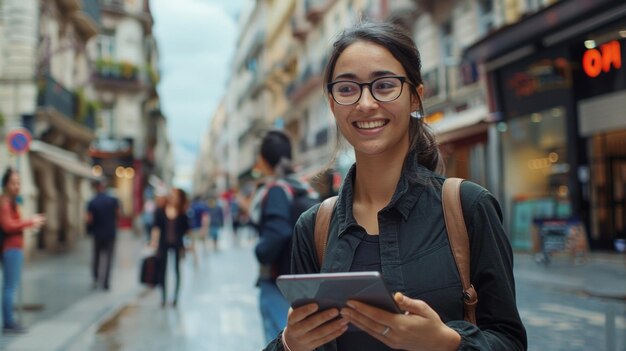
x: 370, y: 125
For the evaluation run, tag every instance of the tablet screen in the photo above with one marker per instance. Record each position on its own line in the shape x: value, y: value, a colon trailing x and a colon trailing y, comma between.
x: 334, y: 289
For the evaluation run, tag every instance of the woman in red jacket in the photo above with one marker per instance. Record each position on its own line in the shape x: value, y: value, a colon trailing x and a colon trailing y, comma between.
x: 13, y: 226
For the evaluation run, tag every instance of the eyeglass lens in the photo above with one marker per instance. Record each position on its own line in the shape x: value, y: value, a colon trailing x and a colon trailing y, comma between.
x: 382, y: 89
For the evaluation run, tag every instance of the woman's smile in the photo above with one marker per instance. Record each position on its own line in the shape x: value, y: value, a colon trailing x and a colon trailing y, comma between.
x: 370, y: 127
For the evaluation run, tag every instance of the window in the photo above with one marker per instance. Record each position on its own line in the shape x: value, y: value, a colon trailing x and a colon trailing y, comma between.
x: 485, y: 16
x: 107, y: 122
x: 106, y: 46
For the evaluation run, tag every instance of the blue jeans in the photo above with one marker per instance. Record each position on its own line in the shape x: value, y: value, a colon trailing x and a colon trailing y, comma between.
x: 274, y: 309
x: 12, y: 261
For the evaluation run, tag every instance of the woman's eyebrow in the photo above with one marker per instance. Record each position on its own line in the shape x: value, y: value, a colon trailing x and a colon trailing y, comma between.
x: 373, y: 75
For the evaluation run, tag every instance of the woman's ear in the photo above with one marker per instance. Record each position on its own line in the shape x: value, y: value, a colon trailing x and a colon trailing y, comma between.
x: 415, y: 102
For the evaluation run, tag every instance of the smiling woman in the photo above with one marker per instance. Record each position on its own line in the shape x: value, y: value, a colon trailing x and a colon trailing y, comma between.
x: 389, y: 218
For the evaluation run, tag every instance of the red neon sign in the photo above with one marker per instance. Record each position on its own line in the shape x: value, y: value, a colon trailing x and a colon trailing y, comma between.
x: 597, y: 61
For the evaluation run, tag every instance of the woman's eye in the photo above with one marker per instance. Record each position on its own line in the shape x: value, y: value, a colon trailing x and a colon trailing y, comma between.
x: 382, y: 85
x: 345, y: 89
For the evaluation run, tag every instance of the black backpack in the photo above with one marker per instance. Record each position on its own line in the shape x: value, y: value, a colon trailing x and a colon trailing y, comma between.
x: 301, y: 200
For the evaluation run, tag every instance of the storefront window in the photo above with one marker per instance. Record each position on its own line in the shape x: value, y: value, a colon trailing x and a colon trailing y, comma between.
x: 608, y: 187
x: 536, y: 171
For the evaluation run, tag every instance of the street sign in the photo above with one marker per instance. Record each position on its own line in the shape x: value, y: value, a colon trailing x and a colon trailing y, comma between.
x: 18, y: 141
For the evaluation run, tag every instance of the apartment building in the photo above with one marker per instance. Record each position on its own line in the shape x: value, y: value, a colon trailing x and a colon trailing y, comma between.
x: 125, y: 77
x: 45, y: 89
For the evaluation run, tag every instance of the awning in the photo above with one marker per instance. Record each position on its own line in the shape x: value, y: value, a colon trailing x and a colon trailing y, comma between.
x: 548, y: 25
x: 61, y: 158
x: 462, y: 124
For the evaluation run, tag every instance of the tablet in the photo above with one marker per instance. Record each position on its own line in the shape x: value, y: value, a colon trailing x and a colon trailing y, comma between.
x: 333, y: 289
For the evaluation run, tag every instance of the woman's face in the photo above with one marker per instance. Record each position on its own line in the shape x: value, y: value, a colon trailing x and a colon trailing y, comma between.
x: 13, y: 186
x: 174, y: 197
x: 370, y: 126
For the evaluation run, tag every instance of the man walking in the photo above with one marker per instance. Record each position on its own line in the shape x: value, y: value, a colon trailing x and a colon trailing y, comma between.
x: 102, y: 216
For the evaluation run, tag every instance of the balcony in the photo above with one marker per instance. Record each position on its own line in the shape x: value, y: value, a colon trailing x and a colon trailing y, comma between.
x: 54, y: 95
x: 59, y: 106
x: 303, y: 85
x: 69, y: 5
x: 118, y: 8
x: 299, y: 28
x: 315, y: 9
x: 87, y: 19
x: 113, y: 6
x: 403, y: 13
x: 113, y: 75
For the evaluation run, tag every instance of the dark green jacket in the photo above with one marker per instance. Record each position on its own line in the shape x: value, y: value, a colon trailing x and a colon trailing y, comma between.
x: 416, y: 258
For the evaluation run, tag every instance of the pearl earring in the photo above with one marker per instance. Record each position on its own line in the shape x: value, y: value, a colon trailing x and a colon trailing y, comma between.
x: 415, y: 114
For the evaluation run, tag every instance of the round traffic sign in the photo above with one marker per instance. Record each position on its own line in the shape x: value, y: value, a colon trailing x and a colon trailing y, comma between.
x: 18, y: 140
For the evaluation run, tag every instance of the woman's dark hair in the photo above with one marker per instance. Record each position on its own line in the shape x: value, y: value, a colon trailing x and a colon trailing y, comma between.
x: 182, y: 201
x: 276, y: 151
x: 6, y: 176
x: 402, y: 47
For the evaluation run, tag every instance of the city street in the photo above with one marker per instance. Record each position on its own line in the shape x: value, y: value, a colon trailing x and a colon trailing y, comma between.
x: 218, y: 309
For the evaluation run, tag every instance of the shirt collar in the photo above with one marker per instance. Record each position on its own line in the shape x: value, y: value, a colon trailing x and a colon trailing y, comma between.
x: 413, y: 179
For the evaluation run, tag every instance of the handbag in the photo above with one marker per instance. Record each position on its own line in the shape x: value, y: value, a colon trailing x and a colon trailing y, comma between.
x: 149, y: 271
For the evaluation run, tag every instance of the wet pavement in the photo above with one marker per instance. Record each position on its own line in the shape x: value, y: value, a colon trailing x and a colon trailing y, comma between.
x: 564, y: 306
x: 217, y: 308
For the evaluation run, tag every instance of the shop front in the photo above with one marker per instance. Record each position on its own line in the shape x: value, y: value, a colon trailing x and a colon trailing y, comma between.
x: 558, y: 87
x: 538, y: 140
x: 600, y: 94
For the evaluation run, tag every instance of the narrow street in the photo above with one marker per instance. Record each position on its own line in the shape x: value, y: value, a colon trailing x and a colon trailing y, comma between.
x: 218, y: 309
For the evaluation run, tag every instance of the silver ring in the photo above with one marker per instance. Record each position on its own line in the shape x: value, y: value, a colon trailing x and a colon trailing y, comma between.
x: 387, y: 329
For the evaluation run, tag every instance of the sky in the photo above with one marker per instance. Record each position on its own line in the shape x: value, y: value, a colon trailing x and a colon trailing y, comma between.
x: 196, y: 40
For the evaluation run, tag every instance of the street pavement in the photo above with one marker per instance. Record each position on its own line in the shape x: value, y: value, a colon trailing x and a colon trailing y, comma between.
x: 563, y: 305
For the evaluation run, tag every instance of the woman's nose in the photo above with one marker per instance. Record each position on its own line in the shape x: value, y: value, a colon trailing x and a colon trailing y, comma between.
x: 367, y: 100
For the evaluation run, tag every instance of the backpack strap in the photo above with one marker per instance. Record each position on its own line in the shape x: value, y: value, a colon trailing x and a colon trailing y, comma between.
x: 459, y: 243
x: 322, y: 222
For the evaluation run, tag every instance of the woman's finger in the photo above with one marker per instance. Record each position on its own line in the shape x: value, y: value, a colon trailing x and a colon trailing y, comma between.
x: 413, y: 306
x: 300, y: 313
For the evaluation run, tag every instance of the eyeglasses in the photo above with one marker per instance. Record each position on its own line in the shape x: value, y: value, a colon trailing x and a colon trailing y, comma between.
x: 384, y: 89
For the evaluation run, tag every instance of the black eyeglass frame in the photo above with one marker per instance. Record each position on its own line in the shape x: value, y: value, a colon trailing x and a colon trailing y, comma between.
x: 402, y: 80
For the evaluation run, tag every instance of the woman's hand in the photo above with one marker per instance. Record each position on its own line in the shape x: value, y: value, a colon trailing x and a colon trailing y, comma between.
x: 419, y: 329
x: 38, y: 221
x: 307, y: 330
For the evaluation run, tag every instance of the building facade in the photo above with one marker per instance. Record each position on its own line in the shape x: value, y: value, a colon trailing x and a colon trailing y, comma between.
x: 45, y: 89
x: 557, y: 87
x: 55, y: 87
x: 125, y: 77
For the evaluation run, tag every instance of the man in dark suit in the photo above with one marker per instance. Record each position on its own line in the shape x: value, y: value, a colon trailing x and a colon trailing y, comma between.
x: 102, y: 216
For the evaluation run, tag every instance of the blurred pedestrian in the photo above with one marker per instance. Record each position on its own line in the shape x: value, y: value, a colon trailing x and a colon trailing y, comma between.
x: 103, y: 213
x: 274, y: 212
x: 199, y: 216
x: 171, y: 225
x: 216, y: 221
x: 13, y: 225
x: 235, y: 217
x: 147, y: 216
x: 389, y: 218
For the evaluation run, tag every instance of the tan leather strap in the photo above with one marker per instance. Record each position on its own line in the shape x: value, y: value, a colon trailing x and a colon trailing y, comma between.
x: 322, y: 222
x: 459, y: 242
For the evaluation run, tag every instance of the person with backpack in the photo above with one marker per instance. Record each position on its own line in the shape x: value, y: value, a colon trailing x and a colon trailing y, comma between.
x: 13, y: 225
x: 274, y: 210
x: 389, y: 217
